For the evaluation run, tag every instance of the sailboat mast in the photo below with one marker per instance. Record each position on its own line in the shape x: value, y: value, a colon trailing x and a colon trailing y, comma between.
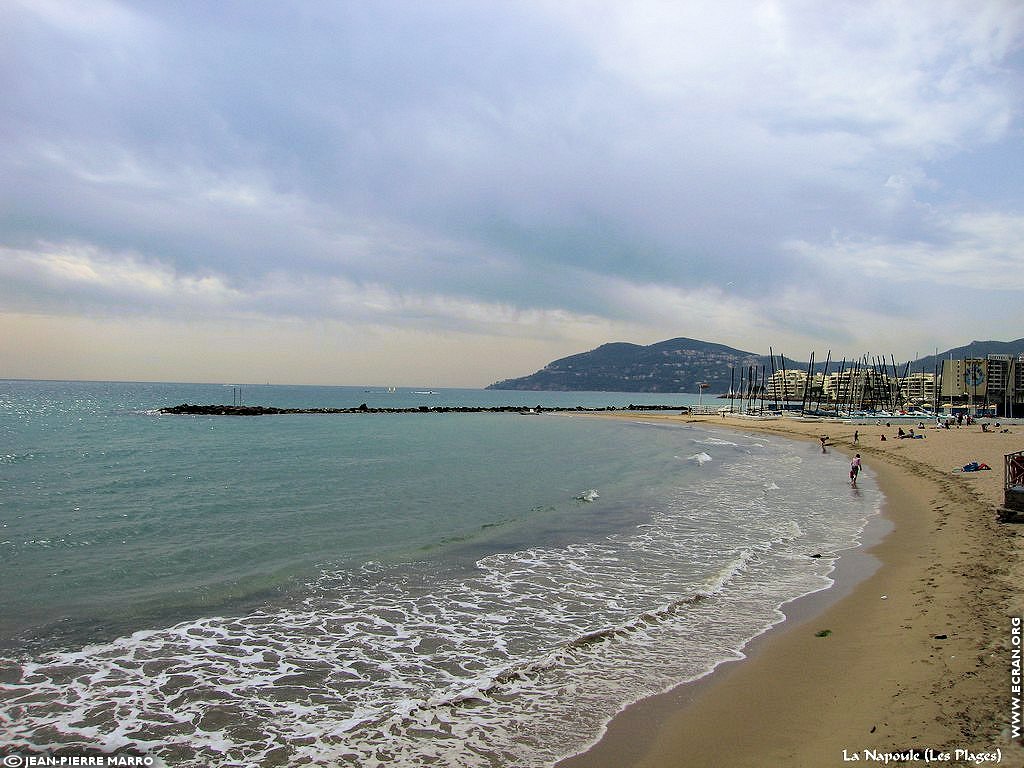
x: 824, y: 375
x: 807, y: 382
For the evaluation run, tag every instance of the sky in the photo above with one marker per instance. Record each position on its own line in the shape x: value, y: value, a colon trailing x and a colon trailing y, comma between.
x: 452, y: 192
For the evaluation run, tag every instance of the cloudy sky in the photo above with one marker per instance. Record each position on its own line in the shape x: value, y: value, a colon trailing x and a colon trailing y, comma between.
x: 456, y: 191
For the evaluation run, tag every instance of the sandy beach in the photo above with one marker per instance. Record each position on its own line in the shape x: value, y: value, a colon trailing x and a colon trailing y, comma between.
x: 910, y: 651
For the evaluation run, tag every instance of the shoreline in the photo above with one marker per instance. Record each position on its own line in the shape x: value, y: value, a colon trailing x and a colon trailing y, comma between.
x: 925, y: 667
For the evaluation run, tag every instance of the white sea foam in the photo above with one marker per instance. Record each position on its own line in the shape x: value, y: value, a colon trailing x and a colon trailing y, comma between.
x: 716, y: 441
x: 517, y: 662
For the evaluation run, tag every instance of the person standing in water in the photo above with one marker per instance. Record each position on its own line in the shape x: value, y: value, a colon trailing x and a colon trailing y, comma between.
x: 855, y: 468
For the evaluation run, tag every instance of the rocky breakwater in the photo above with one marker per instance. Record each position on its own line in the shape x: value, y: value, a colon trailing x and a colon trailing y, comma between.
x: 187, y: 409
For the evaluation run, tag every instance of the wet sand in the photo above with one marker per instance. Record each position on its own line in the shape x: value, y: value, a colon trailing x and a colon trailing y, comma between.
x: 917, y: 654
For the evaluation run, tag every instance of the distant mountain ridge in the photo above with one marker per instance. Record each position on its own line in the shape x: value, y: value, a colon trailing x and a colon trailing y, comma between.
x: 680, y: 365
x: 675, y: 365
x: 974, y: 349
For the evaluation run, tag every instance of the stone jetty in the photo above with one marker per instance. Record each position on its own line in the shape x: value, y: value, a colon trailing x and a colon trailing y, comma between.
x: 187, y: 409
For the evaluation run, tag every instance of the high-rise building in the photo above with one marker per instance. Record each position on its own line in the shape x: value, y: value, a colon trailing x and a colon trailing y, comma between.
x: 993, y: 384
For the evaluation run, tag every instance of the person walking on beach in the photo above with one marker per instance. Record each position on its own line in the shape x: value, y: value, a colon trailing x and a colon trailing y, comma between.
x: 854, y: 470
x: 856, y: 436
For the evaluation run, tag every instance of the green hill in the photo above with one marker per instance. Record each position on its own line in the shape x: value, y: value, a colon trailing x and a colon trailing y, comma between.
x: 676, y: 365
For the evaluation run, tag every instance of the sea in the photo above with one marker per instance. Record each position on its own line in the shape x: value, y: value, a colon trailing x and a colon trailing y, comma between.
x: 410, y: 589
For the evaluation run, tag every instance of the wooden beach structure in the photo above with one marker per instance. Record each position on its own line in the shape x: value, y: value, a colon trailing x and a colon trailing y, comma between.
x: 1012, y: 510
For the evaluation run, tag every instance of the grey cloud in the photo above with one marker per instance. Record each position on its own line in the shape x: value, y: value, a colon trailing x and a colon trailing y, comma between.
x: 485, y: 154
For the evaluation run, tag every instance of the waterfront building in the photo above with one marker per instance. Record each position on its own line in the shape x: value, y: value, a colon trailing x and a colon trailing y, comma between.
x: 860, y: 388
x: 992, y: 385
x: 787, y: 385
x: 918, y: 389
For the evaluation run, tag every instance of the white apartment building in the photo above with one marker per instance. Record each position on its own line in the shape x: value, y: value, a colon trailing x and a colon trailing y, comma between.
x: 918, y: 388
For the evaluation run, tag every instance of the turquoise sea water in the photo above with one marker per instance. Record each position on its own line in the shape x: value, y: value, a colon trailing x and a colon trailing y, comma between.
x: 403, y: 589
